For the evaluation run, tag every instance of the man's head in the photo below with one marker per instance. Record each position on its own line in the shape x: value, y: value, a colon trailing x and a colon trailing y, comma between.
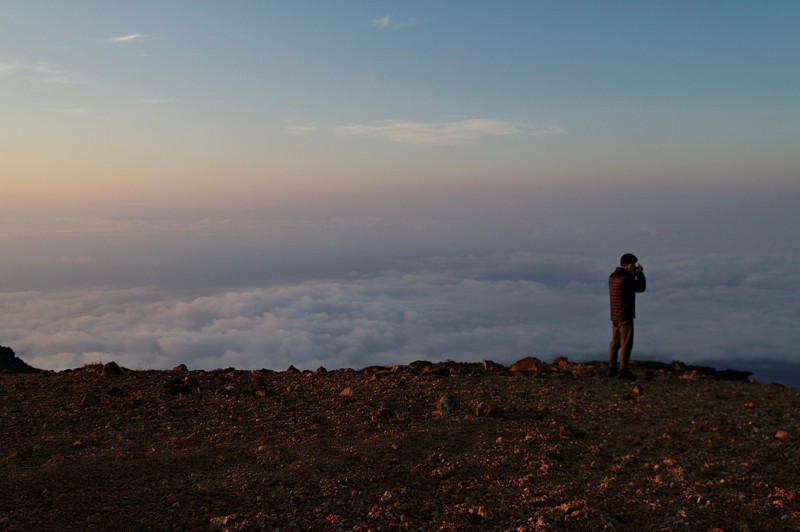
x: 628, y: 261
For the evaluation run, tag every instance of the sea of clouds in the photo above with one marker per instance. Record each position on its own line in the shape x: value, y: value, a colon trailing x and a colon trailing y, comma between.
x: 314, y: 289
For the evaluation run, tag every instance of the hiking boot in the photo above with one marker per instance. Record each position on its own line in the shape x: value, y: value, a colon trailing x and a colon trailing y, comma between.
x: 626, y: 374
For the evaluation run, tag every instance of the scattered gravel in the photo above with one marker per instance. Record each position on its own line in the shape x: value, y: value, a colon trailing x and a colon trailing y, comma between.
x: 445, y: 446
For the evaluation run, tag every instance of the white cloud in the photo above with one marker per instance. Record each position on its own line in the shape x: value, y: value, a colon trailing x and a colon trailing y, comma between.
x: 384, y: 319
x: 447, y: 133
x: 126, y: 39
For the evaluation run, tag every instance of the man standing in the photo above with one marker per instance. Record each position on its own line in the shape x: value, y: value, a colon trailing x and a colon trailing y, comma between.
x: 623, y: 284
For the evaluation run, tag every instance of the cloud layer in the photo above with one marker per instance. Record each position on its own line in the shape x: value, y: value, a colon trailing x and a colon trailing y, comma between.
x: 379, y: 318
x: 500, y: 306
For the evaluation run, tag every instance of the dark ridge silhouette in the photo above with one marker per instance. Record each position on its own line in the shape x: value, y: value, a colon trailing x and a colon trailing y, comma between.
x: 10, y: 363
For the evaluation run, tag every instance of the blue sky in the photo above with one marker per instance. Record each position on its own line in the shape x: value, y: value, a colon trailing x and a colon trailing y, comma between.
x: 172, y: 170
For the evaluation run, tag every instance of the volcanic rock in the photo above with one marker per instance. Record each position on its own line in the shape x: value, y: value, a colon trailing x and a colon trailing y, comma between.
x: 10, y: 363
x: 112, y: 368
x: 528, y: 366
x: 491, y: 367
x: 447, y: 403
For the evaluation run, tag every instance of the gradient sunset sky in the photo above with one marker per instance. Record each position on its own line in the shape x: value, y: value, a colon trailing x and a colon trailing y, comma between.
x: 133, y: 102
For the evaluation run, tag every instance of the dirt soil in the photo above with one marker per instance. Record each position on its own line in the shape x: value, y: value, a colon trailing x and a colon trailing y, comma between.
x: 420, y: 447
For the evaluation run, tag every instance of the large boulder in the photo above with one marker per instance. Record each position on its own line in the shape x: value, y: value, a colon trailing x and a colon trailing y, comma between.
x: 9, y: 363
x: 528, y: 366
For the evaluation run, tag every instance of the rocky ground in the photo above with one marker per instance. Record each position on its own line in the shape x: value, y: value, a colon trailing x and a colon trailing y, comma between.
x: 420, y: 447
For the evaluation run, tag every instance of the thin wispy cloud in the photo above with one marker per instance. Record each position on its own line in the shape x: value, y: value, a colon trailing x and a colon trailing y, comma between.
x: 443, y: 134
x: 382, y: 22
x: 153, y: 101
x: 126, y: 39
x: 388, y: 22
x: 300, y: 129
x: 406, y: 23
x: 39, y: 72
x: 70, y: 111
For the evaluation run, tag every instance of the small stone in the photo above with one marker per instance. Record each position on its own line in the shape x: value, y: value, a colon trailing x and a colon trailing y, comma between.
x: 347, y: 392
x: 180, y: 368
x: 484, y: 409
x: 222, y: 520
x: 112, y: 368
x: 479, y: 511
x: 490, y: 366
x: 781, y: 435
x: 562, y: 364
x: 448, y: 403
